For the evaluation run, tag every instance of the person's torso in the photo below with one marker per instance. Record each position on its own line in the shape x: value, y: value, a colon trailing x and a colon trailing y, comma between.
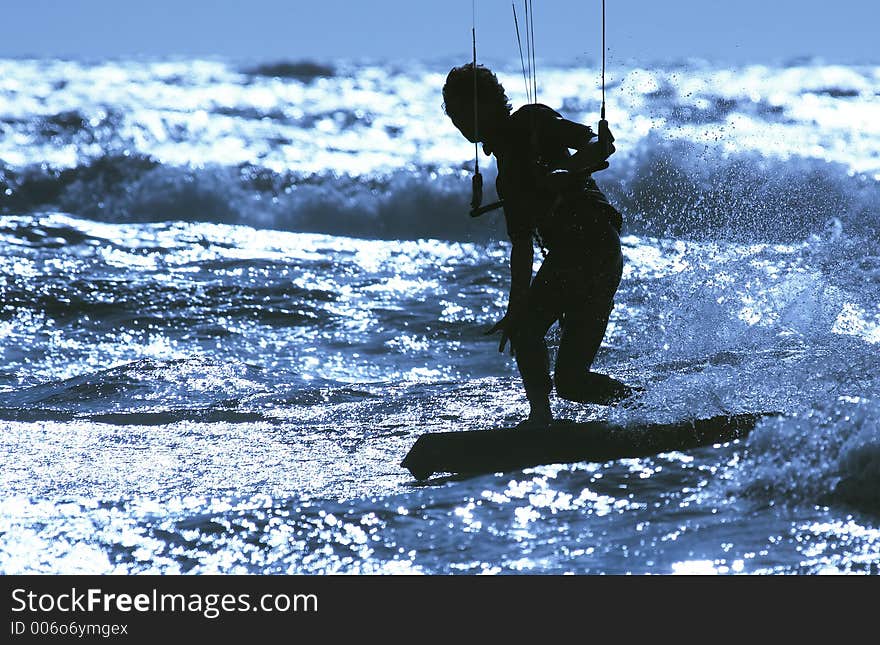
x: 559, y: 220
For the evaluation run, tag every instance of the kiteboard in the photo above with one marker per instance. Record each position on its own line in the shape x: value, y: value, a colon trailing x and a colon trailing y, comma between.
x: 488, y: 451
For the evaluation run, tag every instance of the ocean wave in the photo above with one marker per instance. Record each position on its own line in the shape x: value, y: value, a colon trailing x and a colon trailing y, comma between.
x: 830, y: 454
x: 304, y: 70
x: 198, y: 389
x: 409, y: 204
x: 145, y: 302
x: 140, y: 385
x: 664, y: 188
x: 685, y: 190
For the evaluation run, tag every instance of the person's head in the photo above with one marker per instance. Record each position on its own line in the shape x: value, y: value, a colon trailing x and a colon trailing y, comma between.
x: 493, y: 105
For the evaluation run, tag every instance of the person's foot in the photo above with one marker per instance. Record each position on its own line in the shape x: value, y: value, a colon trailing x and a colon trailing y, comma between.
x: 540, y: 417
x: 599, y: 389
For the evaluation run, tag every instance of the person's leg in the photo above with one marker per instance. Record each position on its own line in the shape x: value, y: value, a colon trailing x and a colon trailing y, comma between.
x: 590, y: 298
x: 530, y: 348
x: 582, y: 334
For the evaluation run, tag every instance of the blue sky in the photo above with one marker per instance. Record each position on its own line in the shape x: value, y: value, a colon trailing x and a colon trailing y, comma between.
x: 639, y: 31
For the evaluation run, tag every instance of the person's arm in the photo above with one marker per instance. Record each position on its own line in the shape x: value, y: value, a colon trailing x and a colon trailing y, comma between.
x: 522, y: 255
x: 591, y: 152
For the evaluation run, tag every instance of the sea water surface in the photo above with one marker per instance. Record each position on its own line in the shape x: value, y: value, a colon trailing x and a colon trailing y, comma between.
x: 233, y: 295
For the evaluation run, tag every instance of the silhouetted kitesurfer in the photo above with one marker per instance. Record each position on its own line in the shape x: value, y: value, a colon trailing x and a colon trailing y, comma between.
x: 548, y: 196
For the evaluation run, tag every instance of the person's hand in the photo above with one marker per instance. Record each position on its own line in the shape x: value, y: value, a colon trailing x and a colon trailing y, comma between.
x: 606, y: 139
x: 507, y: 327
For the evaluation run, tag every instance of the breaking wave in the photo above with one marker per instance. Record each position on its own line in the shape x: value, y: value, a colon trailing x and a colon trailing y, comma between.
x: 664, y: 188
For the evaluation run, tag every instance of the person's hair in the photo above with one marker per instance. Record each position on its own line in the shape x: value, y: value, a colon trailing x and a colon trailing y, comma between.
x: 459, y: 88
